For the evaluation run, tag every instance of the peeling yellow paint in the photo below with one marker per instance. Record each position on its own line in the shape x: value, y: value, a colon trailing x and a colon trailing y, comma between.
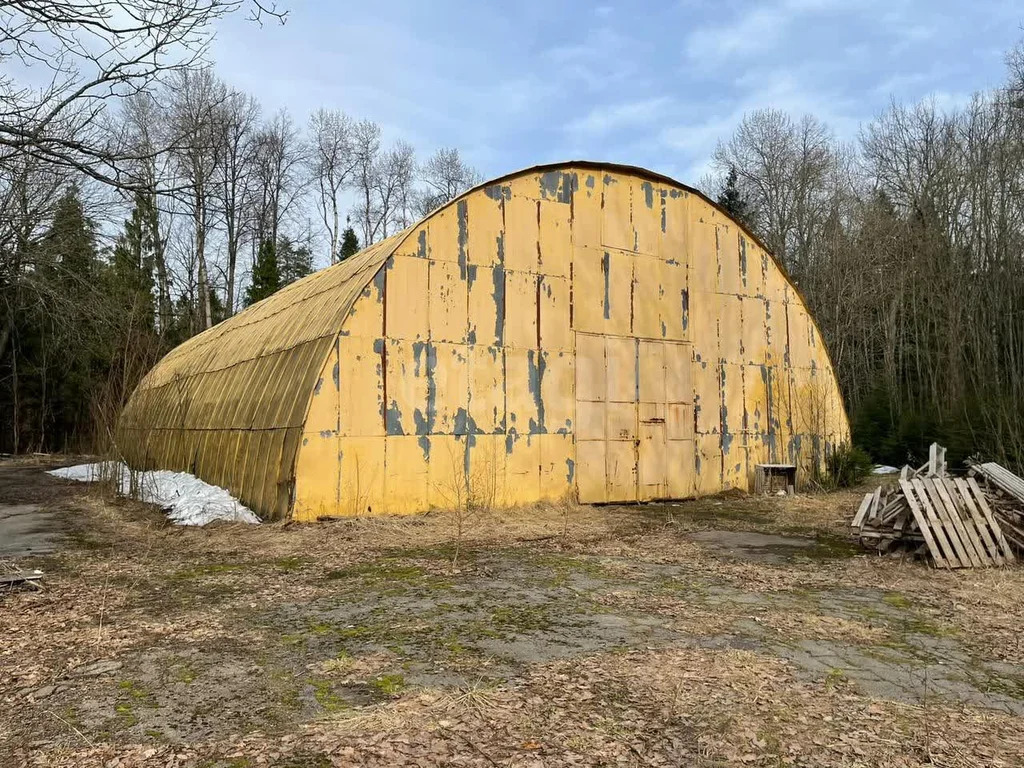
x: 579, y: 330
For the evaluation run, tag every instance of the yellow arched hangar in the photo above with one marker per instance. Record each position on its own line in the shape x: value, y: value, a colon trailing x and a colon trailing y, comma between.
x: 577, y: 330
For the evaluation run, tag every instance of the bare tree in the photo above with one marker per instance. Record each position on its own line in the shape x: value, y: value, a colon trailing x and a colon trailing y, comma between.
x: 238, y: 119
x: 392, y: 182
x: 280, y: 156
x: 365, y: 151
x: 96, y: 51
x: 445, y: 177
x: 198, y: 97
x: 331, y: 163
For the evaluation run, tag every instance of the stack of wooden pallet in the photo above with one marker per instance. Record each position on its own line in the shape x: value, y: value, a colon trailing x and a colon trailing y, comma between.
x: 930, y: 513
x: 1005, y: 492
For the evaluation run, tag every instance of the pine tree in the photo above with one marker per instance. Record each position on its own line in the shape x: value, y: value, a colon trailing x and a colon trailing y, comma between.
x: 732, y: 200
x: 132, y: 264
x: 266, y: 276
x: 349, y: 244
x: 294, y: 261
x: 70, y: 245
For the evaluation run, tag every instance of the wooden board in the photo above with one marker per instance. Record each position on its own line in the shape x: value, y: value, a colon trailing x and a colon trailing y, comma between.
x: 942, y: 521
x: 922, y: 523
x: 951, y: 514
x: 960, y: 489
x: 987, y: 513
x: 862, y: 510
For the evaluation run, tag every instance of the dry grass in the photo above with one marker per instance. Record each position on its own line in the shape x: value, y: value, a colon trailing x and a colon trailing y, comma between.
x: 130, y: 585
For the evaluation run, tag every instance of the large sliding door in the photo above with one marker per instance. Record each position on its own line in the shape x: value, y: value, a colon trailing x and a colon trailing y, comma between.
x: 634, y: 419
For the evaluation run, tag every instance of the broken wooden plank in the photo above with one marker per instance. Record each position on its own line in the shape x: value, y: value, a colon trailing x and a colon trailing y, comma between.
x: 922, y: 523
x: 862, y: 510
x: 31, y: 577
x: 959, y: 491
x: 987, y: 513
x: 977, y: 555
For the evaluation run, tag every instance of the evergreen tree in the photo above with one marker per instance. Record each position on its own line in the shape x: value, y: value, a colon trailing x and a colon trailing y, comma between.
x: 132, y: 264
x: 69, y: 247
x: 294, y: 261
x: 732, y: 200
x: 349, y: 244
x: 266, y: 276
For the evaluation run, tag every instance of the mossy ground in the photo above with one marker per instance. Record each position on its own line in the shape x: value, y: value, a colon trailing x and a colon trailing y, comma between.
x: 617, y: 637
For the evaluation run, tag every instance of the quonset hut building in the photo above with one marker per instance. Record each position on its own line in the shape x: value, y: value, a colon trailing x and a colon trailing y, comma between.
x: 586, y: 330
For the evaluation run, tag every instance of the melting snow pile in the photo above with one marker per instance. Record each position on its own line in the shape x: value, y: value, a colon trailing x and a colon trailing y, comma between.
x: 883, y: 469
x: 186, y: 498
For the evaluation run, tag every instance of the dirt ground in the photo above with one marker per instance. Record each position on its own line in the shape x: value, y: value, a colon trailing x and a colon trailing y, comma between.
x: 724, y: 631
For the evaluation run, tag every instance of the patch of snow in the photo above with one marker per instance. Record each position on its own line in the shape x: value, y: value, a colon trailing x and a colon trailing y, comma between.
x: 884, y: 469
x: 186, y: 499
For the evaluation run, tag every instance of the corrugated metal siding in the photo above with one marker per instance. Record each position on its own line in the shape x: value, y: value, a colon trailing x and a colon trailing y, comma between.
x: 229, y: 404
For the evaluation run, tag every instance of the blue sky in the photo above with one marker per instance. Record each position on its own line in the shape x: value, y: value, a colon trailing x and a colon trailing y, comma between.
x: 655, y: 84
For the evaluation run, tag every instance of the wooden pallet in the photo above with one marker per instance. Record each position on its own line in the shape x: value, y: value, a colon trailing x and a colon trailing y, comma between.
x: 956, y: 522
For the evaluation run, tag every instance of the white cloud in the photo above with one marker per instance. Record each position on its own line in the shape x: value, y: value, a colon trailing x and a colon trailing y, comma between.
x: 606, y: 119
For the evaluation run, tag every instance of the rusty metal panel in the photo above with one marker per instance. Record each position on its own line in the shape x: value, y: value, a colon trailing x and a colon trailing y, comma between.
x: 652, y: 467
x: 734, y: 464
x: 646, y: 215
x: 703, y: 262
x: 486, y: 226
x: 646, y: 300
x: 407, y: 278
x: 522, y: 233
x: 755, y: 330
x: 752, y: 266
x: 522, y: 469
x: 586, y: 204
x: 487, y: 388
x: 621, y: 420
x: 591, y: 377
x: 521, y: 309
x: 616, y: 224
x: 590, y: 421
x: 707, y: 464
x: 679, y: 456
x: 651, y: 372
x: 621, y: 470
x: 487, y: 305
x: 704, y: 326
x: 679, y: 421
x: 678, y: 372
x: 673, y: 300
x: 591, y: 483
x: 730, y: 327
x: 557, y: 374
x: 405, y: 478
x: 675, y: 216
x: 755, y: 391
x: 557, y: 465
x: 520, y: 402
x: 777, y: 352
x: 451, y: 389
x: 589, y: 309
x: 448, y: 300
x: 443, y: 235
x: 555, y: 238
x: 621, y: 368
x: 361, y: 386
x: 707, y: 398
x: 729, y: 260
x: 555, y: 329
x: 731, y: 379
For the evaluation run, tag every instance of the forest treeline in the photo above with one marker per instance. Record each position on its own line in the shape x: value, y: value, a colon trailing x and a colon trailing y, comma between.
x: 908, y: 245
x: 143, y: 199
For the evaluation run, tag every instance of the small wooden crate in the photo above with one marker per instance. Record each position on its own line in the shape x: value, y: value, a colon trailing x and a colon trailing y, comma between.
x: 771, y: 477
